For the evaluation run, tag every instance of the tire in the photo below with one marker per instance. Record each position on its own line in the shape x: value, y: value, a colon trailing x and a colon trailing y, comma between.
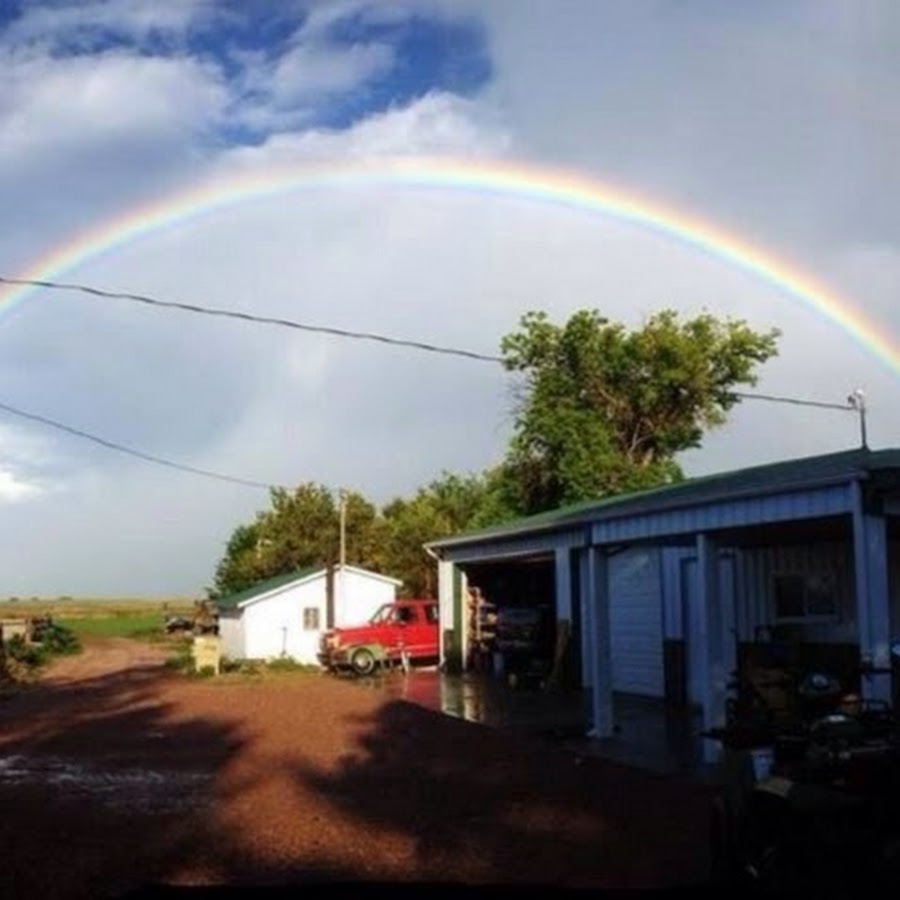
x: 363, y: 661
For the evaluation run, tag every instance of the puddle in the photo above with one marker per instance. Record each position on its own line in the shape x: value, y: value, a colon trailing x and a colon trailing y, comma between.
x: 146, y: 790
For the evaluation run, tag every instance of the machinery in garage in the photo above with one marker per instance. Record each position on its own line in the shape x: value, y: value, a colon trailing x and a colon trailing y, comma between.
x: 810, y: 793
x: 510, y: 620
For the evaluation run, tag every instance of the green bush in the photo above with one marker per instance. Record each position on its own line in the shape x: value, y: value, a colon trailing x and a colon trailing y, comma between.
x: 287, y: 664
x: 30, y: 655
x: 182, y: 660
x: 20, y: 659
x: 260, y: 666
x: 242, y: 666
x: 56, y: 639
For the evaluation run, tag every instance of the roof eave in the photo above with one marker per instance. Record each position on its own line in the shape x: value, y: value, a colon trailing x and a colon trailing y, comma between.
x: 271, y: 592
x: 377, y: 575
x: 588, y: 517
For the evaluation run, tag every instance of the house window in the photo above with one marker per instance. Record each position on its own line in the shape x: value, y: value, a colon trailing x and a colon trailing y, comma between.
x: 311, y: 618
x: 805, y: 596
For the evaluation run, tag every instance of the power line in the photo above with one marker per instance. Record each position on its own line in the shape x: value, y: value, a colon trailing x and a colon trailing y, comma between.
x: 250, y: 317
x: 121, y: 448
x: 340, y: 332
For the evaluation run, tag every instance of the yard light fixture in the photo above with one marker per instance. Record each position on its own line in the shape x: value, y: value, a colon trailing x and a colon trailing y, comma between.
x: 857, y: 401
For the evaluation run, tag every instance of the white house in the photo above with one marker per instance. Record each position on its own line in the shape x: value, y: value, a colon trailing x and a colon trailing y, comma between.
x: 285, y: 615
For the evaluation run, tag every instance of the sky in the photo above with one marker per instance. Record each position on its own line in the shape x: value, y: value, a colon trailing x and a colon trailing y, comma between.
x: 774, y: 122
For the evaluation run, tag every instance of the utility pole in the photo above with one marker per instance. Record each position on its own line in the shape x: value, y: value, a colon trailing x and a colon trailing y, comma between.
x: 343, y: 513
x: 342, y: 506
x: 857, y: 401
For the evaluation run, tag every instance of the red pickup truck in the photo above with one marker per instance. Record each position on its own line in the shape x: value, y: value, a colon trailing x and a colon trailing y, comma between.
x: 403, y: 631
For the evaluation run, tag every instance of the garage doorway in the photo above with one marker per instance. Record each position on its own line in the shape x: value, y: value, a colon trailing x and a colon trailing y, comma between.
x: 511, y: 621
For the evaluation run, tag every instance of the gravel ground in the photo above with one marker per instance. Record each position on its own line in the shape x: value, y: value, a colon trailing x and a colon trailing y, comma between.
x: 116, y: 773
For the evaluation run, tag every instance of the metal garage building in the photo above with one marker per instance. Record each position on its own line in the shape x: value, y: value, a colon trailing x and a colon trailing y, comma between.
x: 662, y: 592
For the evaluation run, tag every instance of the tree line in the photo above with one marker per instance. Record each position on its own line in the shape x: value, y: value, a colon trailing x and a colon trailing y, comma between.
x: 599, y: 409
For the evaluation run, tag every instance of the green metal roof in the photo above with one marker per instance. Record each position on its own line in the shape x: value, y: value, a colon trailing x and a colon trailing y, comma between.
x: 766, y: 479
x: 232, y: 601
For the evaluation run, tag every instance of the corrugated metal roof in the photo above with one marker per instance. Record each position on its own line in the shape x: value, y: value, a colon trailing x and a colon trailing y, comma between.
x: 232, y: 601
x: 758, y: 480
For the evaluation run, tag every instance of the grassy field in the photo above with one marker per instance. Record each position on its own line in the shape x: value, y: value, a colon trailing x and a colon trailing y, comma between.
x: 89, y: 617
x: 123, y: 625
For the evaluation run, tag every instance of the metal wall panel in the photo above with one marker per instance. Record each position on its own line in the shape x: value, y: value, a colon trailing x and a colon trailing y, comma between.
x: 635, y: 614
x: 797, y: 506
x: 756, y: 574
x: 894, y: 582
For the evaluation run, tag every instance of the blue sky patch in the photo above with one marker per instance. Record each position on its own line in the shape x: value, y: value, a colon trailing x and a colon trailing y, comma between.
x: 428, y: 54
x: 253, y: 27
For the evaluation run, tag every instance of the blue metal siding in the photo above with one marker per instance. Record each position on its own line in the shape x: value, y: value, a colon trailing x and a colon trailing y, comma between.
x: 796, y: 506
x: 755, y: 574
x: 635, y: 621
x: 673, y: 610
x: 894, y: 583
x: 585, y: 603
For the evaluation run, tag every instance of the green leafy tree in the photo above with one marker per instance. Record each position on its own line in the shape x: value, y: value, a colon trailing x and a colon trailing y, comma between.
x: 603, y: 410
x: 446, y: 506
x: 301, y: 528
x: 240, y: 566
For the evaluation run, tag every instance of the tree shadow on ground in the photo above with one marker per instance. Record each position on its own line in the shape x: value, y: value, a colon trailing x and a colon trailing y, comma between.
x: 127, y: 783
x: 86, y: 810
x: 495, y: 809
x: 113, y: 785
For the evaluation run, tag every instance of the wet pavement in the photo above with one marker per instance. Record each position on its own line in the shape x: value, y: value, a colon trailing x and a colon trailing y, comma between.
x: 144, y: 790
x: 648, y: 734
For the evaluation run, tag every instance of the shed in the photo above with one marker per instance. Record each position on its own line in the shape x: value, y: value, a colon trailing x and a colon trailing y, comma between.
x: 285, y: 616
x: 662, y: 592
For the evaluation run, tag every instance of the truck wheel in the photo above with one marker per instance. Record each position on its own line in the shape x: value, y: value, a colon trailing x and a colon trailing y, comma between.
x: 363, y: 661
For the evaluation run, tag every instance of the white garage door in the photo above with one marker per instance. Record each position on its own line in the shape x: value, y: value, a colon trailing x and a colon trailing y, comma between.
x: 635, y: 612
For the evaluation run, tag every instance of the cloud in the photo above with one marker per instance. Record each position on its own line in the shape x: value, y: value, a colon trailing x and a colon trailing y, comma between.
x: 324, y: 16
x: 292, y: 90
x: 81, y: 136
x: 13, y: 489
x: 111, y: 98
x: 310, y: 71
x: 24, y: 466
x: 78, y: 25
x: 437, y: 124
x: 776, y: 119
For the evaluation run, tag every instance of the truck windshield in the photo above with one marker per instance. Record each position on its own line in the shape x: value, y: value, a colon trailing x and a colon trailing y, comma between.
x: 381, y: 615
x: 393, y: 615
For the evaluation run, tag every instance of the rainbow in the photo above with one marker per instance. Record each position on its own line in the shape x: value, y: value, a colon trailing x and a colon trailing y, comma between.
x: 494, y: 177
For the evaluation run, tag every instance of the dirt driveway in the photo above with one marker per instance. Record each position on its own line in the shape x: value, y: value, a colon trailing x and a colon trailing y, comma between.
x: 116, y: 773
